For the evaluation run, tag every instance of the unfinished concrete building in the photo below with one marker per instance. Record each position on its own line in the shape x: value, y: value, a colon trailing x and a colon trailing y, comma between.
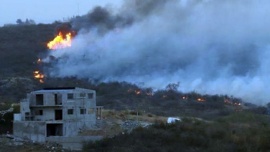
x: 56, y: 112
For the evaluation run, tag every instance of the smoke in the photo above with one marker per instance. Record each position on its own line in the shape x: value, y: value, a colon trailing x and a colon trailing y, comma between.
x: 101, y: 20
x: 64, y: 29
x: 209, y: 46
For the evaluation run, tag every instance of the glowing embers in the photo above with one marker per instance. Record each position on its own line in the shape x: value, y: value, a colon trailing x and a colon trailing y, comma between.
x: 232, y: 102
x: 148, y: 92
x: 137, y: 92
x: 39, y: 61
x: 39, y: 76
x: 60, y: 41
x: 200, y: 100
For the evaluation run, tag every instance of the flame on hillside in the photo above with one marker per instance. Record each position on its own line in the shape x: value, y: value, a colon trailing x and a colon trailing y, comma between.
x: 39, y: 76
x: 39, y: 61
x: 200, y: 100
x: 141, y: 92
x: 60, y: 41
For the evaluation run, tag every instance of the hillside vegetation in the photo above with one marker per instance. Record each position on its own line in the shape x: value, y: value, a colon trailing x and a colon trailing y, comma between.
x: 22, y: 45
x: 232, y: 124
x: 243, y: 132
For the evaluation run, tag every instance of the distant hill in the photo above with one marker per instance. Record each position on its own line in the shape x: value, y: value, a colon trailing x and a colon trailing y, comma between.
x: 21, y: 45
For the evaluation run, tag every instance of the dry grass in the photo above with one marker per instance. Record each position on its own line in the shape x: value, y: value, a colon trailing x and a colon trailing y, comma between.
x: 132, y: 115
x: 112, y: 121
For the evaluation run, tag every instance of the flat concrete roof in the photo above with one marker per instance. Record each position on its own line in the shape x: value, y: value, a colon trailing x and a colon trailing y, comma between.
x: 61, y: 89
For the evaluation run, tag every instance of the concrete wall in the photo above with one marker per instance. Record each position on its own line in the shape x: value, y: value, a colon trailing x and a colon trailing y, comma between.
x: 47, y: 114
x: 72, y: 123
x: 33, y: 130
x: 72, y: 128
x: 77, y: 103
x: 49, y: 99
x: 17, y: 117
x: 24, y: 107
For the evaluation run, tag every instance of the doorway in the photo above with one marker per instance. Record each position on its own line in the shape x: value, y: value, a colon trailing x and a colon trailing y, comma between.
x: 54, y: 130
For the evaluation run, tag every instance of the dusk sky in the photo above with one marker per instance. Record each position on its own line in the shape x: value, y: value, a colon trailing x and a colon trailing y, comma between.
x: 48, y: 11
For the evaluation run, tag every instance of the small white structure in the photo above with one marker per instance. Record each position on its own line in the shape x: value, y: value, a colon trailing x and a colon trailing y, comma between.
x: 173, y: 119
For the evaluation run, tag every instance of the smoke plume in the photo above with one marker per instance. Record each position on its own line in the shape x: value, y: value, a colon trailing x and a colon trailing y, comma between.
x: 209, y: 46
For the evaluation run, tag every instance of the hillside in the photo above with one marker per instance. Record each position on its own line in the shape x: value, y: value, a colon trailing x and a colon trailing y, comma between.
x: 150, y: 43
x: 237, y: 132
x: 22, y: 45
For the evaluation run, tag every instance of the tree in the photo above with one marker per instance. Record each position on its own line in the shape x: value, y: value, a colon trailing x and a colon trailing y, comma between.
x: 19, y: 21
x: 172, y: 86
x: 26, y: 22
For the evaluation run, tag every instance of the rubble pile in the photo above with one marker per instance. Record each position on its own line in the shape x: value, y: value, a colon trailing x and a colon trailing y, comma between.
x: 9, y: 143
x: 129, y: 125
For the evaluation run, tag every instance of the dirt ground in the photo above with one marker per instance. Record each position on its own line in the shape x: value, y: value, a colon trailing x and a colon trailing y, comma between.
x: 8, y: 144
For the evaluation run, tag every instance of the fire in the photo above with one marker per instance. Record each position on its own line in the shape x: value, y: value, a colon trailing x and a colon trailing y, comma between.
x: 200, y: 100
x: 39, y: 61
x: 41, y: 81
x: 60, y: 41
x: 137, y: 92
x: 38, y: 75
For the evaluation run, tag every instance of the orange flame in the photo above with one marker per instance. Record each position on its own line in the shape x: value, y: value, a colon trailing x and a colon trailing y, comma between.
x: 137, y: 92
x: 60, y: 41
x: 38, y: 75
x: 200, y: 100
x: 41, y: 81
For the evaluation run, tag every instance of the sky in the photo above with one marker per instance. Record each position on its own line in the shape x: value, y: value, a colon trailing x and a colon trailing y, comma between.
x: 48, y: 11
